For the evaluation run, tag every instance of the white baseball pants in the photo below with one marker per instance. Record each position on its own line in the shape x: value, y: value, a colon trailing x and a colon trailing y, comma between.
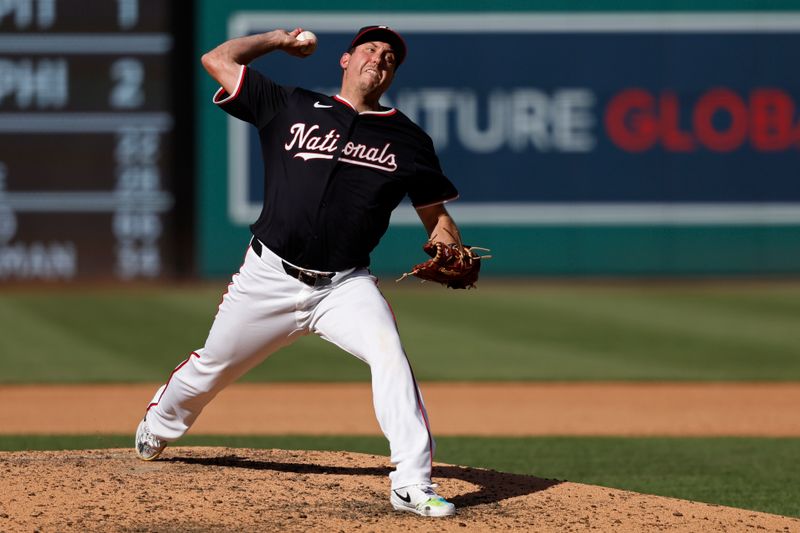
x: 266, y: 309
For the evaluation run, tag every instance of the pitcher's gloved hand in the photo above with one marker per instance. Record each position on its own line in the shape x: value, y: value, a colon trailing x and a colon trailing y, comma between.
x: 452, y: 265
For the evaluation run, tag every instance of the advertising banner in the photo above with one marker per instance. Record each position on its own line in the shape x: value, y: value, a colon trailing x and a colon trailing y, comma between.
x: 607, y: 118
x: 603, y: 143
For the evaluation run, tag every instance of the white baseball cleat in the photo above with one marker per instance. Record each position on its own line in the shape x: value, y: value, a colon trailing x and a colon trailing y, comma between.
x: 148, y: 446
x: 422, y: 500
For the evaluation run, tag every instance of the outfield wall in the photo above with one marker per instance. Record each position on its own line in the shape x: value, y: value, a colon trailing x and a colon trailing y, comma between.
x: 598, y: 142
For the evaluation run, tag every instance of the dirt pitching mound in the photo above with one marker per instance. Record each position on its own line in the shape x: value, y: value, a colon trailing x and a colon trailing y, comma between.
x: 225, y: 489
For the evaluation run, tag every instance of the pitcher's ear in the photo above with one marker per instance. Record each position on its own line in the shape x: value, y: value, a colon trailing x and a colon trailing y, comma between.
x: 344, y: 60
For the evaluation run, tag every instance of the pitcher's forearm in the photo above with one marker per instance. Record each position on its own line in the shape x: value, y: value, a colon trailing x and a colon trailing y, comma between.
x: 225, y: 61
x: 243, y: 50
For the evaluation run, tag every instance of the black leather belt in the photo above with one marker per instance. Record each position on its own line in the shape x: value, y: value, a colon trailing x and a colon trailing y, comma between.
x: 312, y: 279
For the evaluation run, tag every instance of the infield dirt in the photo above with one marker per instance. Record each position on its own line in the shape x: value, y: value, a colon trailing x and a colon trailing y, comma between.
x: 497, y: 409
x: 221, y: 489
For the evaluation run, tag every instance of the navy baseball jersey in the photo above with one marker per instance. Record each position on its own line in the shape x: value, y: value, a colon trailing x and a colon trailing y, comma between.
x: 332, y: 175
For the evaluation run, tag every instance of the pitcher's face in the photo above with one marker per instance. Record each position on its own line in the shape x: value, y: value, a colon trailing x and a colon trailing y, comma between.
x: 369, y: 67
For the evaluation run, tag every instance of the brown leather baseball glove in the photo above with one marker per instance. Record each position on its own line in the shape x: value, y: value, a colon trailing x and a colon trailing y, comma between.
x: 455, y: 266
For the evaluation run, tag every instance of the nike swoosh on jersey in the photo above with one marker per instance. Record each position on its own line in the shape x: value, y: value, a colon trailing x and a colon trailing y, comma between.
x: 321, y: 106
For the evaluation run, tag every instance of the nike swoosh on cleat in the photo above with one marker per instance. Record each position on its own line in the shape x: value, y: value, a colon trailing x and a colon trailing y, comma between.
x: 406, y: 498
x: 321, y: 106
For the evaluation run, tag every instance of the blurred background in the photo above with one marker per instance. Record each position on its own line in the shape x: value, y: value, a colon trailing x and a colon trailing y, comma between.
x: 632, y: 165
x: 655, y: 140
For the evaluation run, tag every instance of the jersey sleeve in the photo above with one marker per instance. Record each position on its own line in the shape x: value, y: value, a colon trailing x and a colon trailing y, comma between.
x: 256, y: 99
x: 428, y: 185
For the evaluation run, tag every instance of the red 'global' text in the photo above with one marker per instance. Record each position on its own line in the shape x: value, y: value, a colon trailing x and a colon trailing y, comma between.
x: 719, y: 120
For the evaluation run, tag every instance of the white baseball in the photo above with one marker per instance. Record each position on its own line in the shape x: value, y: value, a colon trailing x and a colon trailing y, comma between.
x: 312, y: 41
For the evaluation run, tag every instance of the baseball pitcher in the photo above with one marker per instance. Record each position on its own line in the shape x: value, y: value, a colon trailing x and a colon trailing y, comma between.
x: 334, y: 169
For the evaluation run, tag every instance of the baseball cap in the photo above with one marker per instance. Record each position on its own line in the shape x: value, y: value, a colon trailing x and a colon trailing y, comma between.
x: 383, y: 34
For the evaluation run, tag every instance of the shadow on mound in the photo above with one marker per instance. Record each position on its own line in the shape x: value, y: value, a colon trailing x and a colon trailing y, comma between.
x: 494, y: 486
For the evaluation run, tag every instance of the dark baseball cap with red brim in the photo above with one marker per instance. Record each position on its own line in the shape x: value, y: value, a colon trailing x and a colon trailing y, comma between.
x: 382, y: 34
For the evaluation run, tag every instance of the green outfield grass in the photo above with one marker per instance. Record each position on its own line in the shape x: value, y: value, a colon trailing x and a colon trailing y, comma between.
x: 502, y: 331
x: 757, y: 474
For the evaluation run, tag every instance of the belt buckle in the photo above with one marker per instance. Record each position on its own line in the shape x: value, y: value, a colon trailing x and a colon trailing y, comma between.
x: 318, y: 280
x: 312, y: 279
x: 306, y: 277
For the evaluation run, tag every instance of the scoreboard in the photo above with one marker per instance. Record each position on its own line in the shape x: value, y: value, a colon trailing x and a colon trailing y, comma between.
x: 87, y: 140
